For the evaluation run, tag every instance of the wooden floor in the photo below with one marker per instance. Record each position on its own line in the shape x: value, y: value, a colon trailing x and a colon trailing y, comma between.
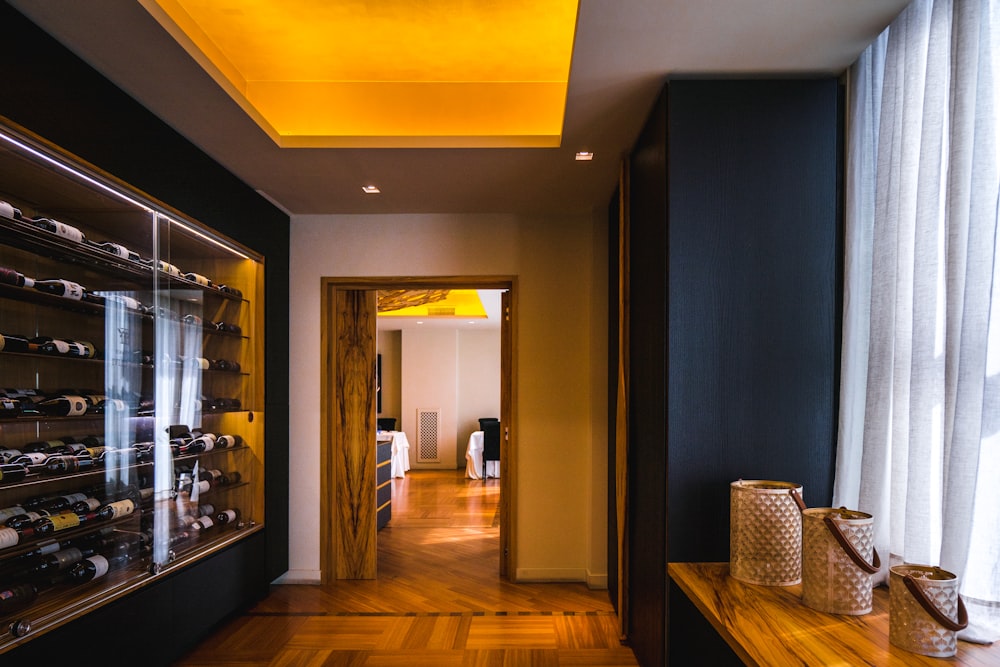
x: 438, y: 600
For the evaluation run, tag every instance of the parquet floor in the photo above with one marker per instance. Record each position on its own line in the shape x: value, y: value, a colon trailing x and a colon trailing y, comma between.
x: 438, y: 600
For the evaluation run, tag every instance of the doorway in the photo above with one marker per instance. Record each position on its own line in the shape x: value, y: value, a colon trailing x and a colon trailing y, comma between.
x: 348, y: 396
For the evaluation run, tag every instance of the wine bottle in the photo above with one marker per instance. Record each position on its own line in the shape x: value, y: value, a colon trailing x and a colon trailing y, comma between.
x: 59, y: 287
x: 116, y: 509
x: 15, y: 278
x: 17, y: 597
x: 90, y: 568
x: 116, y: 249
x: 64, y: 346
x: 46, y: 446
x: 64, y: 464
x: 168, y: 268
x: 64, y: 406
x: 9, y: 512
x: 9, y: 407
x: 30, y: 459
x: 61, y: 229
x: 13, y: 343
x: 12, y: 472
x: 54, y: 503
x: 213, y: 476
x: 229, y: 441
x: 51, y: 563
x: 8, y: 455
x: 203, y: 524
x: 9, y: 537
x: 198, y: 278
x: 228, y: 516
x: 7, y: 210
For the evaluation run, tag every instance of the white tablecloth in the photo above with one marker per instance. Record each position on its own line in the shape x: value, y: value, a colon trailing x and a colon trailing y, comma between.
x: 474, y: 459
x: 400, y: 451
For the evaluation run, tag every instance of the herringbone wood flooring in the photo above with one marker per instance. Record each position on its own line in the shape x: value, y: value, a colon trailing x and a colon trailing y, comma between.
x: 437, y: 601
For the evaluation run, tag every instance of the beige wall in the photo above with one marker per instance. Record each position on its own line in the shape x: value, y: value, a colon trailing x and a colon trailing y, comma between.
x: 560, y: 343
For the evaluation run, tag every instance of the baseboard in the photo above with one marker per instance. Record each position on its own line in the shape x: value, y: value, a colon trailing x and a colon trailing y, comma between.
x: 300, y: 577
x: 541, y: 574
x: 597, y: 582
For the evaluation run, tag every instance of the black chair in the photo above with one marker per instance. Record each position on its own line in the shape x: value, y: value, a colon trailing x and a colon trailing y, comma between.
x: 491, y: 441
x: 386, y: 423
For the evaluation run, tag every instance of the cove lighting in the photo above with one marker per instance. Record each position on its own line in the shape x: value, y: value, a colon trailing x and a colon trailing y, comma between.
x: 386, y: 74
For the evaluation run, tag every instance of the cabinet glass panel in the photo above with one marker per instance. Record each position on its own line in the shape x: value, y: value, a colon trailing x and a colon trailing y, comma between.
x: 131, y: 389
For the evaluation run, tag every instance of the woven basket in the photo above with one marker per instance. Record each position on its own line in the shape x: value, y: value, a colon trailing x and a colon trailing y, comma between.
x: 765, y: 532
x: 838, y: 560
x: 925, y: 610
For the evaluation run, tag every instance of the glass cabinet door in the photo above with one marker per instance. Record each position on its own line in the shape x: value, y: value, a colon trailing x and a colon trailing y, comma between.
x: 131, y: 391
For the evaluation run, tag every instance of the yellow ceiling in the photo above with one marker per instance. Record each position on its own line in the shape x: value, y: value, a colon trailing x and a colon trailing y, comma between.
x: 386, y: 73
x: 456, y: 303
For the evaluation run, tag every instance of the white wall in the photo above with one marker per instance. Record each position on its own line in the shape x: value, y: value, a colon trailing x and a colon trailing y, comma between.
x: 478, y: 383
x: 430, y: 382
x: 560, y: 345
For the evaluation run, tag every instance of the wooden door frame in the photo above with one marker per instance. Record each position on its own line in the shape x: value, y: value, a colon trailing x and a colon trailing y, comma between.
x: 330, y: 396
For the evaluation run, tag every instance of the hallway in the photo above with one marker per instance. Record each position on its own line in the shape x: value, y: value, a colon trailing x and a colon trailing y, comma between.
x: 437, y: 601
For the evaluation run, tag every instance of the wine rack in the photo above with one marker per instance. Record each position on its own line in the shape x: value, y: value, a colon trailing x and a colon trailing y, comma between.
x: 131, y: 389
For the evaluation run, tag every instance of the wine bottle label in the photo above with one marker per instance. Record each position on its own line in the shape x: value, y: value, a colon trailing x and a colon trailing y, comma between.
x: 101, y: 565
x: 225, y: 441
x: 92, y: 504
x: 7, y: 211
x: 67, y: 231
x: 35, y: 458
x: 47, y: 548
x: 64, y: 521
x: 8, y: 537
x: 72, y: 290
x: 203, y: 486
x: 77, y: 406
x: 203, y: 523
x: 116, y: 249
x: 121, y: 508
x: 61, y: 346
x: 75, y: 497
x: 200, y: 279
x: 167, y: 267
x: 229, y: 516
x: 9, y: 512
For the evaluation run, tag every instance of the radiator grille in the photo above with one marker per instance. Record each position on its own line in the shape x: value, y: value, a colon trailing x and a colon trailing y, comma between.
x: 428, y: 429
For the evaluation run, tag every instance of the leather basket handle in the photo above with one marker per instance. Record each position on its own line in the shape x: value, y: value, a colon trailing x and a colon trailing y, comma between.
x: 851, y: 550
x: 917, y: 591
x: 797, y: 497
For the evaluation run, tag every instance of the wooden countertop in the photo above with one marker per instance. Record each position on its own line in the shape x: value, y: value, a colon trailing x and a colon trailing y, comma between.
x: 768, y: 626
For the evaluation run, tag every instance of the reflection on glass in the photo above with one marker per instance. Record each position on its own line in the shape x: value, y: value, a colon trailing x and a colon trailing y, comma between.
x: 122, y: 386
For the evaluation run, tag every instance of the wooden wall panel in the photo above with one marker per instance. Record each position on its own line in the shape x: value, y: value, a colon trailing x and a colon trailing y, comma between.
x: 354, y: 424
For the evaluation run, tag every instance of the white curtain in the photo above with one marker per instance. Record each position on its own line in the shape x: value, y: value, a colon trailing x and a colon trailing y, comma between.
x: 920, y: 395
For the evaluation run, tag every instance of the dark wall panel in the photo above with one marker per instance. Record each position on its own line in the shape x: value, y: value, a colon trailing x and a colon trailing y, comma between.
x: 752, y: 274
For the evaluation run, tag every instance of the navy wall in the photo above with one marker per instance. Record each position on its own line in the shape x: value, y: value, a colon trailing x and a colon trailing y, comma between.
x: 735, y: 239
x: 52, y: 93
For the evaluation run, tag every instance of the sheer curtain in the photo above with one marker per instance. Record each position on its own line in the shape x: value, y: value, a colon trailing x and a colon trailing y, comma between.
x: 920, y: 397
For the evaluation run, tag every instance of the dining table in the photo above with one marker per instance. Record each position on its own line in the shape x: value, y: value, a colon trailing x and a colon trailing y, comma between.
x: 474, y: 459
x: 400, y: 462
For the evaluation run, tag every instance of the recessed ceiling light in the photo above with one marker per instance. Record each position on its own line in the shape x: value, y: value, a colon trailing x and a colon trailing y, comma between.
x: 371, y: 189
x: 584, y: 156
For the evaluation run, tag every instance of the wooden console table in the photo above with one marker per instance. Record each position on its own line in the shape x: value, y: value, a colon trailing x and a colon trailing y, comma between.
x: 768, y: 626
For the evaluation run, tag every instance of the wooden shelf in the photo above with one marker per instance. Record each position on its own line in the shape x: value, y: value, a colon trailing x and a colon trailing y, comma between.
x: 768, y: 626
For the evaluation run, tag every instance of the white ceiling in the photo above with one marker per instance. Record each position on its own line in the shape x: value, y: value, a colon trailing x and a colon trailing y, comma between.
x: 624, y: 51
